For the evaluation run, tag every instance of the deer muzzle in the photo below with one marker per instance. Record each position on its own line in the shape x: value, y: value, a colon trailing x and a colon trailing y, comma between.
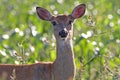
x: 63, y: 33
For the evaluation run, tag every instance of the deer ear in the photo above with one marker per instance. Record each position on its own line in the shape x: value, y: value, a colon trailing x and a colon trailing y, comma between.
x: 43, y: 13
x: 78, y: 11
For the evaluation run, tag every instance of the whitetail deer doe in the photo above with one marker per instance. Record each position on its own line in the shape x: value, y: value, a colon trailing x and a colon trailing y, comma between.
x: 63, y: 68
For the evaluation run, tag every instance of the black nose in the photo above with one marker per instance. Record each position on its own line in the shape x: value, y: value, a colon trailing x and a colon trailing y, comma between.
x: 63, y: 33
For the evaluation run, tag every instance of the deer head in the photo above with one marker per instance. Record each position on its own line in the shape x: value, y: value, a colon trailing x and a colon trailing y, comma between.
x: 63, y: 24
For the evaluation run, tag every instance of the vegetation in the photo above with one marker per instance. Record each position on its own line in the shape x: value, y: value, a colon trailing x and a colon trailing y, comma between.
x: 25, y: 39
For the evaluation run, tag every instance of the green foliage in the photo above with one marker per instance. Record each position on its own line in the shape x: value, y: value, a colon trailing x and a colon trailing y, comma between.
x: 26, y: 39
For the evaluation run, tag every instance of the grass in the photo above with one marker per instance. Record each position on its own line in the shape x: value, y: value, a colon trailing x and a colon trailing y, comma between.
x: 25, y: 39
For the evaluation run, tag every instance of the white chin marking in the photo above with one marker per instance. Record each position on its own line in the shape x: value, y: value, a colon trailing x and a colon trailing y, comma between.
x: 63, y: 39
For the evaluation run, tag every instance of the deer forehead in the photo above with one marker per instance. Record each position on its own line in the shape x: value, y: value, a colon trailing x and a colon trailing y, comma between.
x: 61, y: 18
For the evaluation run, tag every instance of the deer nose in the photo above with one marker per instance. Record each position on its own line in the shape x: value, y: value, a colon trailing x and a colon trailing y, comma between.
x: 63, y: 33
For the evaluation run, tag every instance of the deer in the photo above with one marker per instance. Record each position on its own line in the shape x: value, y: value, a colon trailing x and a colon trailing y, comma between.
x: 63, y: 68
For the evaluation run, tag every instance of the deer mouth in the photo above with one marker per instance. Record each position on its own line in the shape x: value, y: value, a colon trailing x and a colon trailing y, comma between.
x: 63, y: 39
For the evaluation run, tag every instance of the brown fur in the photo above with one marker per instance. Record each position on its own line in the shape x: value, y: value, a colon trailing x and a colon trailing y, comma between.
x: 62, y: 18
x: 38, y: 71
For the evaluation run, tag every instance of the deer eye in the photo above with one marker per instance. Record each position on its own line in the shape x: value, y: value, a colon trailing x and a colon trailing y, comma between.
x: 70, y: 22
x: 54, y: 23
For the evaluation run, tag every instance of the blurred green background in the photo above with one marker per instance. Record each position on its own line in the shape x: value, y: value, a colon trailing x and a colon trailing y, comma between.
x: 25, y: 39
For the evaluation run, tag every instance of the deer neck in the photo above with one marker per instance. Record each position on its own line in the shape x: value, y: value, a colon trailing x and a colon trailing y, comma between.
x: 65, y: 51
x: 64, y: 64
